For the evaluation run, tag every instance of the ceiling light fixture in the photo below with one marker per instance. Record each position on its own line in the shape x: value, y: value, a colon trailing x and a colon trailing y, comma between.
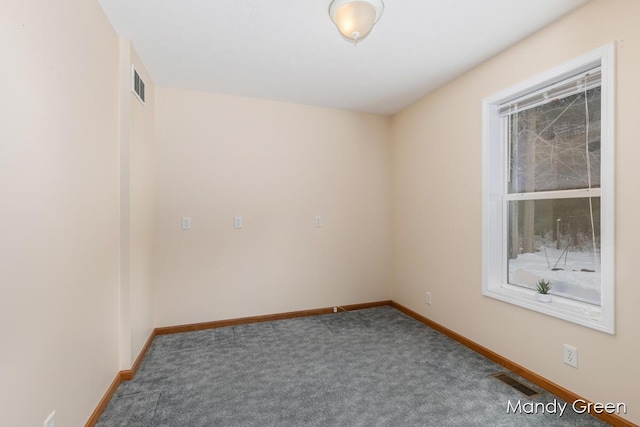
x: 355, y: 18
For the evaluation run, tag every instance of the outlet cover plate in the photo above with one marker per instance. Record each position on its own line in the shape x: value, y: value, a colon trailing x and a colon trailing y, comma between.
x: 238, y: 222
x: 186, y: 223
x: 571, y: 355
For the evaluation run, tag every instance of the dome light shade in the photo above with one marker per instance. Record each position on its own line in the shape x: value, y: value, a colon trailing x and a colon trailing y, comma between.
x: 355, y: 18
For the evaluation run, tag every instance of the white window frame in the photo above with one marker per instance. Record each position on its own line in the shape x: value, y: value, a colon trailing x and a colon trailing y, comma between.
x: 495, y: 220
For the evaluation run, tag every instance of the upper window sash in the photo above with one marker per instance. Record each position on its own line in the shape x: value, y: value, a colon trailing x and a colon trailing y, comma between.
x: 578, y: 83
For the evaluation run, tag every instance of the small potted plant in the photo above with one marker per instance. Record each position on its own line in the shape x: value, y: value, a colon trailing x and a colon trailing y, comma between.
x: 543, y: 287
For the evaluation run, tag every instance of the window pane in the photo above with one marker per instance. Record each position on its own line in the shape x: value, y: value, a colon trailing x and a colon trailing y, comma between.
x: 554, y: 240
x: 549, y: 145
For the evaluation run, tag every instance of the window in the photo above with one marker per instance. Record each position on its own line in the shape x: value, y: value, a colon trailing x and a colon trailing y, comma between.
x: 548, y: 191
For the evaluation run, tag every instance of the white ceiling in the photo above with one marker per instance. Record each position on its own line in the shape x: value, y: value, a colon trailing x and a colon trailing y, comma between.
x: 289, y: 50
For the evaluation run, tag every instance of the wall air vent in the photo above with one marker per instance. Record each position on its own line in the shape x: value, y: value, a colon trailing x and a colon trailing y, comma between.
x: 137, y: 85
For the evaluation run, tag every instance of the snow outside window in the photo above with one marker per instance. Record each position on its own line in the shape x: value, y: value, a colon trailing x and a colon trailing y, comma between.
x: 548, y: 191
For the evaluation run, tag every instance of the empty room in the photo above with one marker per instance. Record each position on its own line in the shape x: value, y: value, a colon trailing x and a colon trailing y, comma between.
x: 371, y: 212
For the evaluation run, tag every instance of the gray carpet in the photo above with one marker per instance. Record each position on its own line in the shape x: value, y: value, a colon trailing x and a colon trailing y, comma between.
x: 373, y: 367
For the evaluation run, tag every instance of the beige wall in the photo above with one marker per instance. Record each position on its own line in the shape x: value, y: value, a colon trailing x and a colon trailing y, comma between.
x: 277, y: 165
x: 142, y: 192
x: 137, y: 207
x: 437, y: 211
x: 59, y: 218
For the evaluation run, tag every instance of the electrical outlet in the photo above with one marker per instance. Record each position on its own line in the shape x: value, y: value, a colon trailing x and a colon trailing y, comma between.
x: 186, y: 223
x: 571, y: 355
x: 335, y: 309
x: 427, y: 298
x: 50, y: 421
x: 238, y: 222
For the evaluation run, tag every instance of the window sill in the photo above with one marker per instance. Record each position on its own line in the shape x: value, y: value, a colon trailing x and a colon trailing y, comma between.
x: 577, y: 312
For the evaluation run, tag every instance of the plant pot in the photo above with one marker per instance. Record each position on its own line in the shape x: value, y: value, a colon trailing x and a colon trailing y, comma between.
x: 543, y: 297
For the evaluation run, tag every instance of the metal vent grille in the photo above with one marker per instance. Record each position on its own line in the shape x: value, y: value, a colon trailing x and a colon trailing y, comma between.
x: 527, y: 391
x: 138, y: 85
